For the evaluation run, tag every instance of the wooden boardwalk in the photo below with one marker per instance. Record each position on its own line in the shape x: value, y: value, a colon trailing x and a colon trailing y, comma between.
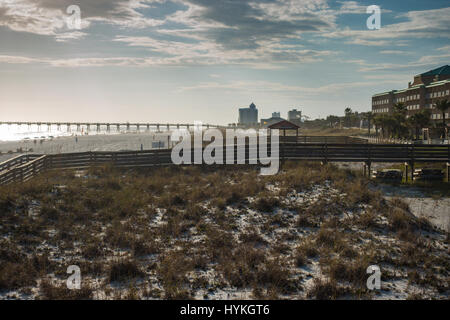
x: 25, y: 167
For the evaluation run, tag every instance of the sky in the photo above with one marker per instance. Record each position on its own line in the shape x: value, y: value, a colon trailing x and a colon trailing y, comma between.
x: 181, y: 61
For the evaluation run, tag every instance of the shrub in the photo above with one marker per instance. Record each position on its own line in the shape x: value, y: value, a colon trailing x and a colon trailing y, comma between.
x: 330, y: 238
x: 399, y: 219
x: 308, y: 249
x: 324, y: 290
x: 172, y: 272
x: 355, y: 272
x: 16, y: 275
x: 300, y: 259
x: 266, y: 204
x: 49, y: 212
x: 124, y: 270
x: 273, y: 276
x: 53, y: 292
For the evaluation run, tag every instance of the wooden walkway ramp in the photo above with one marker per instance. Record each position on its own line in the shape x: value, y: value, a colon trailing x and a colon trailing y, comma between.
x: 25, y: 167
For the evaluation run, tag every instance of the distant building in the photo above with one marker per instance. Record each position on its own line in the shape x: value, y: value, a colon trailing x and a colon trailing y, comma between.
x: 276, y: 115
x: 295, y: 116
x: 248, y: 116
x: 274, y: 119
x: 426, y: 89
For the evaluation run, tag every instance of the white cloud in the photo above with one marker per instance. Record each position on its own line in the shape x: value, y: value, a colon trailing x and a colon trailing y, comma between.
x: 279, y: 88
x: 208, y: 52
x: 399, y: 52
x: 17, y: 59
x: 444, y: 48
x: 419, y: 24
x: 353, y: 7
x: 430, y: 61
x: 48, y: 17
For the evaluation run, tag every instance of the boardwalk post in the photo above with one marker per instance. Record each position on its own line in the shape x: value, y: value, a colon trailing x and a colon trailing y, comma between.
x: 448, y: 172
x: 368, y: 165
x: 406, y: 171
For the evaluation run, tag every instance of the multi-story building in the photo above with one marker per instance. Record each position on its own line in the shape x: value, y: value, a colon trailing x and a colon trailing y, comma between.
x: 276, y: 117
x: 423, y: 93
x: 295, y: 116
x: 248, y: 116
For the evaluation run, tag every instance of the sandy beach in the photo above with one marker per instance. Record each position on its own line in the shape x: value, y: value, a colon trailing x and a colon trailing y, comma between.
x: 82, y: 143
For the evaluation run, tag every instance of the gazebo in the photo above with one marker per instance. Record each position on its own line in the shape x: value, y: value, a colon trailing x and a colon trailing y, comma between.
x: 285, y: 127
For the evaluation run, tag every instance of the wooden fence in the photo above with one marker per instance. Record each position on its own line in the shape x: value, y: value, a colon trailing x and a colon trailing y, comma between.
x: 7, y: 165
x: 330, y: 139
x: 25, y: 167
x: 24, y: 172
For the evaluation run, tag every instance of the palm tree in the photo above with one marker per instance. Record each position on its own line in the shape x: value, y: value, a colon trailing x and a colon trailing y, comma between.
x: 420, y: 120
x: 383, y: 121
x: 443, y: 106
x: 377, y: 121
x: 369, y: 120
x: 348, y: 112
x: 399, y: 127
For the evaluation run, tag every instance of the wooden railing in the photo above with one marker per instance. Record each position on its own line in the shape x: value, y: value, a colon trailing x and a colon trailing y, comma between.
x: 18, y: 169
x: 16, y: 161
x: 330, y: 139
x: 366, y: 152
x: 24, y: 171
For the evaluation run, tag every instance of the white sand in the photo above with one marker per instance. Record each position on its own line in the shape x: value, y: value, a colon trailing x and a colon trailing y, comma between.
x: 436, y: 211
x: 101, y: 142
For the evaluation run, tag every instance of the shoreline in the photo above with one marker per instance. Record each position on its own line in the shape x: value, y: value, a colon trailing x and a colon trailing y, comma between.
x: 83, y: 143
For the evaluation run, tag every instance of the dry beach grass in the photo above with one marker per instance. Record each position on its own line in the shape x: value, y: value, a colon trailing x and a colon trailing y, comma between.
x: 214, y: 232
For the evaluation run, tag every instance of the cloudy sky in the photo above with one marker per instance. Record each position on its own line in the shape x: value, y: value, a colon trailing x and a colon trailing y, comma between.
x: 186, y: 60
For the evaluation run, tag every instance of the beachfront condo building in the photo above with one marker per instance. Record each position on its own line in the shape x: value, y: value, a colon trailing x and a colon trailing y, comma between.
x: 426, y: 89
x: 295, y: 116
x: 248, y: 116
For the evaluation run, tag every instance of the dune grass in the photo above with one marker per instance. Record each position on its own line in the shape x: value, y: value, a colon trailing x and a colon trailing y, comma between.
x: 196, y: 232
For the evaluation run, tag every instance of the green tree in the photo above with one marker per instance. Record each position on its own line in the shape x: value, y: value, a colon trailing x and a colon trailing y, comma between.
x: 385, y: 122
x: 348, y: 112
x: 333, y: 120
x: 420, y: 120
x: 443, y: 106
x: 368, y: 116
x: 399, y: 127
x: 377, y: 121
